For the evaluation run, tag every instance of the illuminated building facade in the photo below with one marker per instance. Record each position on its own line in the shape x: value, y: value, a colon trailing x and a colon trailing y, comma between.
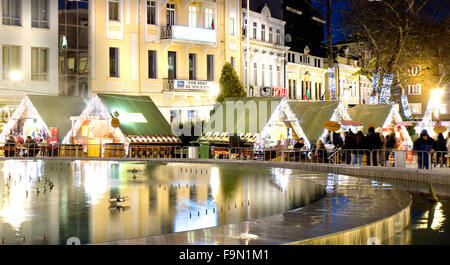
x: 28, y: 47
x: 267, y: 53
x: 306, y: 76
x: 172, y: 51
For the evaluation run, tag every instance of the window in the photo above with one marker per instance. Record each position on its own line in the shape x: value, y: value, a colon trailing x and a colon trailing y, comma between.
x: 308, y: 59
x: 175, y: 114
x: 39, y: 66
x: 278, y: 37
x: 113, y: 6
x: 209, y: 18
x: 11, y: 12
x: 263, y: 32
x: 255, y: 27
x: 270, y: 76
x: 210, y: 67
x: 415, y: 70
x: 270, y: 34
x: 231, y: 25
x: 255, y: 73
x: 263, y: 77
x: 170, y: 14
x: 414, y: 89
x: 39, y: 13
x: 192, y: 16
x: 289, y: 57
x: 113, y: 62
x: 443, y: 109
x: 301, y: 58
x: 10, y: 59
x: 232, y: 62
x: 192, y: 66
x: 172, y: 65
x: 151, y: 12
x: 415, y: 108
x: 244, y: 29
x: 293, y: 58
x: 192, y: 115
x: 152, y: 64
x: 278, y: 76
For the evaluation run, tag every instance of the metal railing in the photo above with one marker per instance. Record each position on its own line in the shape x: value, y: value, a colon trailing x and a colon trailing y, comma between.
x: 351, y: 157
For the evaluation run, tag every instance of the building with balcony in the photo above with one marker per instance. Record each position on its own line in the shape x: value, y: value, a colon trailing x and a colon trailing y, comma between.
x: 172, y: 51
x: 264, y: 67
x: 306, y: 76
x: 352, y: 87
x: 28, y: 51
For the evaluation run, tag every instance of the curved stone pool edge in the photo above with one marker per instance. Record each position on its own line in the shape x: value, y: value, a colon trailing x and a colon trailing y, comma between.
x: 348, y: 226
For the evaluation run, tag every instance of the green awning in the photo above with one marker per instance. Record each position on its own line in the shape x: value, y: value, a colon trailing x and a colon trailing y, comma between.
x: 138, y: 115
x: 56, y: 111
x: 311, y: 116
x: 250, y: 115
x: 367, y: 113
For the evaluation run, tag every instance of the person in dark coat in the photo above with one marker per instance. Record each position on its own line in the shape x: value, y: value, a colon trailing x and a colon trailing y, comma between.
x: 337, y: 140
x: 358, y: 154
x: 440, y: 148
x: 422, y: 146
x: 372, y: 142
x: 349, y: 144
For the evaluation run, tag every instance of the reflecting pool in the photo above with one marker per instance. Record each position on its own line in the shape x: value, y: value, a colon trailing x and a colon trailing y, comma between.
x: 49, y: 202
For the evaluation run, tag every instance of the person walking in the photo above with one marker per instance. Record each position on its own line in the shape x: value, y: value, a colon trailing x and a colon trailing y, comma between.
x: 448, y: 148
x: 373, y: 142
x: 441, y: 147
x: 423, y: 146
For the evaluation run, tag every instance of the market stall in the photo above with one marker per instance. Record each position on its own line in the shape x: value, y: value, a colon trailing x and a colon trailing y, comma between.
x: 117, y: 125
x: 45, y: 119
x: 244, y: 118
x: 305, y: 119
x: 384, y: 116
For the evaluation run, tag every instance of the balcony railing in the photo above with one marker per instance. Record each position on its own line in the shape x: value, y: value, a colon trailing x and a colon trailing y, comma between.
x: 187, y: 85
x: 177, y: 32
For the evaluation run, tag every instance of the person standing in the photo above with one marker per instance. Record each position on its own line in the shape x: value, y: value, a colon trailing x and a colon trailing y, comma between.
x: 373, y: 143
x: 357, y: 155
x: 349, y: 143
x: 391, y: 143
x: 448, y: 148
x: 441, y: 147
x: 423, y: 146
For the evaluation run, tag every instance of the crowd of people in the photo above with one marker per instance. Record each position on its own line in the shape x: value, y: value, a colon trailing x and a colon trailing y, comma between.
x: 375, y: 148
x: 28, y: 147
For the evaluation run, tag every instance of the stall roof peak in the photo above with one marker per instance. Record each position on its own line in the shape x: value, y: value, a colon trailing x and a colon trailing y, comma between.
x: 153, y: 122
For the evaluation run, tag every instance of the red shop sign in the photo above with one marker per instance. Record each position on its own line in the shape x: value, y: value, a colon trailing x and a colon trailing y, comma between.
x: 279, y: 92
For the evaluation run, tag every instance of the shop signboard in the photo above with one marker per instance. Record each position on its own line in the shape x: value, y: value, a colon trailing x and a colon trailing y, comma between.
x: 192, y: 85
x: 351, y: 123
x: 279, y: 92
x: 332, y: 125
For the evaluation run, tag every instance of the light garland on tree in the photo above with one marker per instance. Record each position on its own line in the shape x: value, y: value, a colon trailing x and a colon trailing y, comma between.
x: 332, y: 82
x: 405, y: 105
x: 385, y: 93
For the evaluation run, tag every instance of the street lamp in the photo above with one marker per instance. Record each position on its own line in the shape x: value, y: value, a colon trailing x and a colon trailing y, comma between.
x: 15, y: 75
x: 435, y: 100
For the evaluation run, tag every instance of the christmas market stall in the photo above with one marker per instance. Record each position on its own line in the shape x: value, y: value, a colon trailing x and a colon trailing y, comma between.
x: 238, y: 122
x: 117, y: 125
x: 383, y: 116
x: 305, y: 119
x: 41, y: 121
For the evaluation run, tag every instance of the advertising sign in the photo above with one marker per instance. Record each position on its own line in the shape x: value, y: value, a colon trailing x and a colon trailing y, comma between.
x: 192, y: 85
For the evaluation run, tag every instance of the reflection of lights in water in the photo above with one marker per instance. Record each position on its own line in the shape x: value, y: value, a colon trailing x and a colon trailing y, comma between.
x: 13, y: 210
x: 182, y: 222
x: 95, y: 180
x: 439, y: 218
x: 330, y: 183
x: 214, y: 181
x: 281, y: 176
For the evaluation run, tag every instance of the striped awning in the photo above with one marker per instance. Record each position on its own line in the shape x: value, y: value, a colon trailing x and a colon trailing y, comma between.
x: 152, y: 139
